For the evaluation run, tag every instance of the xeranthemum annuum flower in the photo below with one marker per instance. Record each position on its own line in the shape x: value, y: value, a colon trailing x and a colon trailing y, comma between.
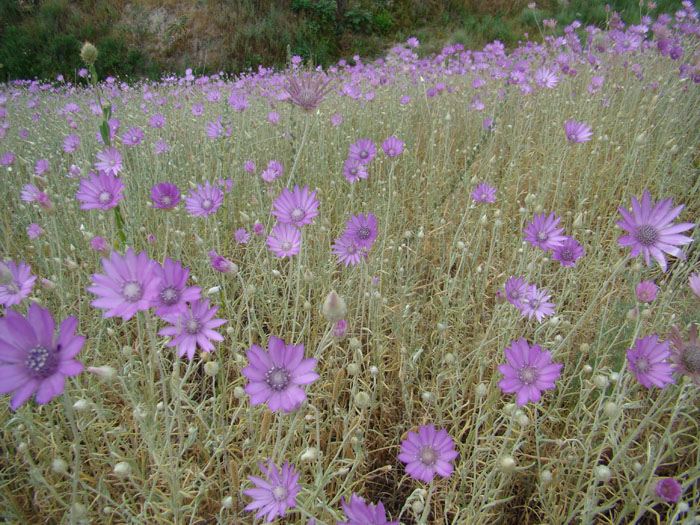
x: 309, y: 92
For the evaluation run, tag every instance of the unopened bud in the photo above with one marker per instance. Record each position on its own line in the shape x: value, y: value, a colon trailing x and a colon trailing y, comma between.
x: 602, y: 473
x: 59, y: 466
x: 611, y: 409
x: 507, y: 464
x: 88, y: 53
x: 104, y: 372
x: 122, y: 469
x: 309, y: 455
x: 362, y: 399
x: 211, y: 368
x: 334, y: 308
x: 227, y: 502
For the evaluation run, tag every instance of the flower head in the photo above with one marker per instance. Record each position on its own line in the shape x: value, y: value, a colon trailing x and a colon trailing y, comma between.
x: 103, y: 191
x: 648, y: 361
x: 205, y: 200
x: 577, y: 132
x: 165, y: 196
x: 34, y: 230
x: 484, y: 193
x: 668, y: 489
x: 650, y: 229
x: 130, y: 284
x: 32, y: 359
x: 71, y: 142
x: 363, y: 230
x: 274, y: 493
x: 646, y: 291
x: 173, y: 292
x: 194, y: 327
x: 392, y: 147
x: 285, y: 240
x: 528, y: 371
x: 360, y: 513
x: 132, y: 137
x: 275, y: 376
x: 694, y: 283
x: 110, y: 161
x: 542, y: 232
x: 685, y: 355
x: 298, y: 207
x: 309, y: 92
x: 348, y: 250
x: 427, y: 453
x: 241, y: 236
x: 16, y: 282
x: 364, y: 150
x: 354, y: 170
x: 536, y: 303
x: 568, y: 252
x: 516, y: 290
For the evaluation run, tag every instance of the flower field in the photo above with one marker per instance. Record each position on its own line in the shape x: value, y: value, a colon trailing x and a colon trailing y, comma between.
x: 455, y: 289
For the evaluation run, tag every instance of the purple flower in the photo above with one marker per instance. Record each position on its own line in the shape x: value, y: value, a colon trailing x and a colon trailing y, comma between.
x: 348, y: 250
x: 528, y: 371
x: 205, y: 200
x: 484, y: 193
x: 354, y: 170
x: 336, y: 119
x: 101, y: 191
x: 427, y: 453
x: 258, y: 229
x: 516, y: 290
x: 130, y: 284
x: 70, y: 143
x: 685, y: 356
x: 568, y: 252
x: 546, y: 78
x: 363, y: 230
x: 221, y: 263
x: 194, y: 327
x: 161, y: 147
x: 32, y: 359
x: 536, y: 303
x: 16, y: 282
x: 41, y: 166
x: 215, y: 129
x: 577, y: 132
x: 648, y: 361
x: 197, y: 109
x: 488, y: 124
x: 274, y: 494
x: 29, y: 193
x: 113, y: 124
x: 543, y: 233
x: 132, y: 137
x: 273, y: 117
x: 238, y: 102
x: 360, y: 513
x: 646, y: 291
x: 363, y: 150
x: 34, y: 230
x: 241, y: 236
x: 110, y: 161
x: 157, y: 121
x: 298, y: 207
x: 694, y: 283
x: 392, y: 147
x: 405, y: 99
x: 7, y: 159
x: 249, y: 166
x: 165, y: 196
x: 308, y: 93
x: 275, y: 376
x: 172, y: 290
x: 651, y: 231
x: 285, y: 240
x: 668, y: 489
x: 99, y: 245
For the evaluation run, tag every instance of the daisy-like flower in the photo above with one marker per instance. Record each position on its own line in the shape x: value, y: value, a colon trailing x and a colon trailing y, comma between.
x: 70, y: 143
x: 568, y: 252
x: 99, y: 245
x: 130, y: 284
x: 336, y: 119
x: 29, y: 193
x: 157, y: 121
x: 427, y: 453
x: 241, y: 236
x: 543, y: 233
x: 536, y: 303
x: 172, y: 288
x: 165, y: 196
x: 41, y: 166
x: 694, y: 283
x: 392, y: 147
x: 285, y: 240
x: 363, y: 150
x: 646, y: 291
x: 484, y: 193
x: 16, y: 282
x: 110, y: 161
x: 32, y: 359
x: 668, y: 489
x: 528, y: 371
x: 275, y: 376
x: 577, y: 132
x: 194, y: 327
x: 685, y: 356
x: 34, y: 230
x: 161, y: 146
x: 348, y: 250
x: 274, y: 493
x: 651, y: 231
x: 101, y: 191
x: 309, y: 92
x: 205, y: 200
x: 354, y: 170
x: 363, y: 230
x: 648, y: 361
x: 132, y: 137
x: 546, y: 78
x: 298, y: 207
x: 360, y: 513
x: 516, y: 290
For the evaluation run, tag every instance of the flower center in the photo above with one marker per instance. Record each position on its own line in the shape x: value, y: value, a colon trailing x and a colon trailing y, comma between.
x: 166, y: 199
x: 298, y: 214
x: 353, y: 171
x: 193, y: 326
x: 542, y: 236
x: 105, y: 197
x: 566, y: 255
x: 286, y: 246
x: 428, y: 456
x: 207, y: 204
x: 364, y: 233
x: 307, y: 97
x: 390, y: 152
x: 279, y: 493
x: 364, y: 154
x: 690, y: 358
x: 527, y: 375
x: 641, y: 365
x: 351, y: 249
x: 647, y: 234
x: 132, y: 291
x: 41, y: 361
x: 277, y: 378
x: 170, y: 295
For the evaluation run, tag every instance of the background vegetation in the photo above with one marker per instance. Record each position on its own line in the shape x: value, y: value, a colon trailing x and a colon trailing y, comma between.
x: 41, y: 38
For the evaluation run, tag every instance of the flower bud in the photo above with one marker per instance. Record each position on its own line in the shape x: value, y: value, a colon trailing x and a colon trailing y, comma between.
x: 309, y: 455
x: 104, y: 372
x: 122, y: 469
x: 211, y: 368
x: 546, y: 477
x: 602, y: 473
x: 362, y: 399
x: 59, y: 466
x: 334, y: 308
x: 506, y: 464
x: 81, y: 405
x: 227, y: 502
x: 481, y: 390
x: 88, y: 53
x: 611, y: 409
x: 601, y: 381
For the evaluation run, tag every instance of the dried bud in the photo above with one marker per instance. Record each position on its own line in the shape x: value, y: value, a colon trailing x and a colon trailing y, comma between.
x: 122, y: 469
x: 88, y: 53
x: 507, y: 464
x: 105, y: 372
x: 211, y: 368
x: 334, y: 308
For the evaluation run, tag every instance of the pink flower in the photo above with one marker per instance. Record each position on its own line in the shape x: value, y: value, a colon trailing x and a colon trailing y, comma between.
x: 285, y: 240
x: 360, y: 513
x: 543, y: 233
x: 668, y: 489
x: 648, y: 361
x: 34, y: 230
x: 646, y: 291
x: 194, y: 327
x: 110, y: 161
x: 427, y: 453
x: 205, y: 200
x: 363, y: 150
x: 528, y: 371
x: 274, y: 494
x: 392, y: 147
x: 577, y: 132
x: 298, y: 207
x: 484, y: 193
x: 16, y: 282
x: 694, y: 283
x: 568, y: 252
x: 241, y: 236
x: 103, y: 191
